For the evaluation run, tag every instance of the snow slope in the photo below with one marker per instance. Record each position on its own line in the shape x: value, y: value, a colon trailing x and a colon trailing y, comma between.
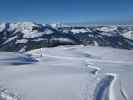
x: 68, y: 73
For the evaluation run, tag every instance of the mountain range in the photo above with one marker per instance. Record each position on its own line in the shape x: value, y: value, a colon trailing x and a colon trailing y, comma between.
x: 25, y: 36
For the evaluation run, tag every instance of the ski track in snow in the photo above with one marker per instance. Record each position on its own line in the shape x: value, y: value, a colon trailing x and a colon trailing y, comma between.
x: 104, y: 89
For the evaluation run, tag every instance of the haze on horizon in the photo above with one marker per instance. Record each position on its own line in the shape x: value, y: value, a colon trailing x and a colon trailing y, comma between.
x: 67, y: 11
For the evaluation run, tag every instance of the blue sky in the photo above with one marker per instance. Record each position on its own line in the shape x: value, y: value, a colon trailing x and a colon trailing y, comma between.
x: 67, y: 11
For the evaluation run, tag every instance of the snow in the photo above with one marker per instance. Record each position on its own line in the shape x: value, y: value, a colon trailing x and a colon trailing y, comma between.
x: 111, y: 91
x: 22, y: 41
x: 63, y: 40
x: 109, y: 34
x: 68, y: 73
x: 21, y: 32
x: 95, y: 43
x: 79, y: 30
x: 40, y: 39
x: 21, y: 26
x: 107, y: 28
x: 2, y: 27
x: 9, y: 40
x: 9, y: 58
x: 5, y: 95
x: 24, y: 27
x: 128, y: 35
x: 33, y: 34
x: 48, y: 31
x: 103, y: 59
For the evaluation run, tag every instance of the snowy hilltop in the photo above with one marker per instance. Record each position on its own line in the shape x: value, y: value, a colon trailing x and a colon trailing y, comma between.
x: 67, y: 73
x: 24, y: 36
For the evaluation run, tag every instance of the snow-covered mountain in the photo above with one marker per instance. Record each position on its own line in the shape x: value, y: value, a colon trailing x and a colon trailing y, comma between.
x: 67, y: 73
x: 23, y: 36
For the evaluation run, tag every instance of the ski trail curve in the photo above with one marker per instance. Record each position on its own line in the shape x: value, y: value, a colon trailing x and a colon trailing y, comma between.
x: 104, y: 89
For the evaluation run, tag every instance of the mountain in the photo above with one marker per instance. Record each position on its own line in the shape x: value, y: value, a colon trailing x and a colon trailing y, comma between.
x: 24, y: 36
x: 28, y: 35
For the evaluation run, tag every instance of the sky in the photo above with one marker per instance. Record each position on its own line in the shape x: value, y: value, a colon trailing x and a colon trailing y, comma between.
x: 67, y: 11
